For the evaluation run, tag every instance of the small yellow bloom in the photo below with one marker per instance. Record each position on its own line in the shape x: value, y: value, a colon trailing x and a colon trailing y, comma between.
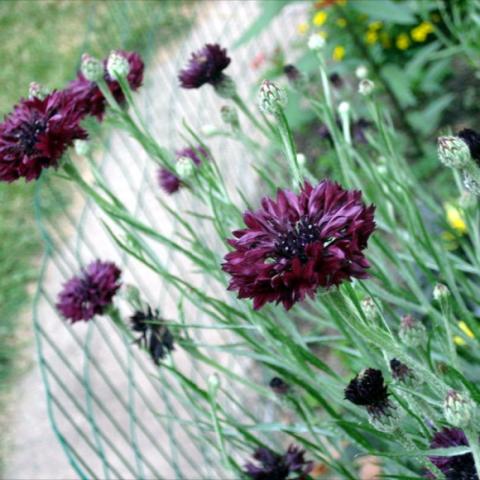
x: 338, y: 53
x: 466, y: 330
x: 341, y: 22
x: 320, y: 18
x: 371, y: 37
x: 403, y: 41
x: 302, y: 28
x: 420, y: 33
x: 455, y: 219
x: 375, y: 25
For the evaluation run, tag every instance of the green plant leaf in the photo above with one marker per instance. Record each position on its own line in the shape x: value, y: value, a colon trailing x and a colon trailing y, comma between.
x: 392, y: 12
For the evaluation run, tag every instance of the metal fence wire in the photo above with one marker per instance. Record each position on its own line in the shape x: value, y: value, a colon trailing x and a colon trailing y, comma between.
x: 115, y: 414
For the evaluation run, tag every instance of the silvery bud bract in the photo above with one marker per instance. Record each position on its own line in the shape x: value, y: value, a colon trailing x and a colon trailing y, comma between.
x: 230, y: 116
x: 369, y: 308
x: 343, y: 108
x: 471, y: 180
x: 117, y: 65
x: 36, y: 90
x: 226, y: 87
x: 361, y: 72
x: 184, y: 167
x: 440, y: 292
x: 91, y: 68
x: 453, y: 152
x: 412, y: 332
x: 365, y: 87
x: 271, y: 98
x: 458, y: 409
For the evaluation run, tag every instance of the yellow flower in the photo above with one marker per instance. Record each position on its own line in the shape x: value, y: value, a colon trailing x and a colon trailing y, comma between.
x: 371, y: 37
x: 320, y: 18
x: 375, y: 25
x: 403, y: 41
x: 302, y: 28
x: 420, y: 33
x: 466, y: 330
x: 341, y: 22
x: 338, y: 53
x: 455, y: 219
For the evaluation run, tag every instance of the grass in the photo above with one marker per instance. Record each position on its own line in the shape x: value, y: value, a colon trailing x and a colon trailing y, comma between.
x: 42, y: 41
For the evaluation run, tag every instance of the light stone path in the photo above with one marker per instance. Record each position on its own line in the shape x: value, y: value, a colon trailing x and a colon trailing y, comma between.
x: 35, y: 452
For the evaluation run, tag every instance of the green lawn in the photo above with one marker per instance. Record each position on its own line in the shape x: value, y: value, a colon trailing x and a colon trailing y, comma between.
x: 42, y: 41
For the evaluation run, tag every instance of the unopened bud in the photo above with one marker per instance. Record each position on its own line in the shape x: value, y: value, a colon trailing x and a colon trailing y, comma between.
x: 458, y: 409
x: 369, y: 308
x: 226, y: 87
x: 184, y: 167
x: 440, y: 292
x: 36, y: 90
x: 361, y: 72
x: 401, y: 372
x: 316, y: 42
x: 365, y: 87
x: 301, y: 159
x: 209, y: 129
x: 230, y: 116
x: 91, y: 68
x: 82, y: 147
x: 117, y: 65
x: 453, y: 152
x: 279, y: 386
x: 412, y: 332
x: 271, y: 98
x: 343, y: 108
x: 386, y: 423
x: 132, y: 294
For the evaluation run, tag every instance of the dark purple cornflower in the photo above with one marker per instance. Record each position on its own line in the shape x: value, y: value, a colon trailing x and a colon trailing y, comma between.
x: 368, y: 390
x: 298, y: 243
x: 458, y: 467
x: 90, y: 293
x: 205, y: 66
x: 35, y: 135
x: 89, y: 99
x: 336, y: 80
x: 472, y: 139
x: 271, y: 466
x: 155, y: 335
x: 168, y: 180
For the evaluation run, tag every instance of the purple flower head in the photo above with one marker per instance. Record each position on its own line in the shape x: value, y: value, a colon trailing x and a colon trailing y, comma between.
x: 168, y: 181
x: 90, y: 293
x: 195, y: 154
x: 298, y: 243
x: 472, y: 139
x: 368, y: 390
x: 459, y: 467
x: 88, y: 97
x: 205, y: 66
x: 36, y: 134
x: 271, y: 466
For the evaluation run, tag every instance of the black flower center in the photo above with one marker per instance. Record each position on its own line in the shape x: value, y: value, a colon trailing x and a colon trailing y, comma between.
x: 293, y: 243
x: 27, y: 134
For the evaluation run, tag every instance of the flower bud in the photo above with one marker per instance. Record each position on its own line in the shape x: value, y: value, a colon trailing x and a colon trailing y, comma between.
x: 208, y: 129
x: 386, y: 423
x: 471, y: 182
x: 184, y: 167
x: 401, y: 372
x: 361, y: 72
x: 316, y: 42
x: 279, y: 386
x: 440, y: 292
x: 458, y: 409
x: 412, y: 332
x: 36, y: 90
x: 369, y: 308
x: 91, y: 68
x: 301, y: 159
x: 365, y: 87
x: 117, y: 65
x: 230, y: 116
x: 271, y: 98
x: 453, y: 152
x: 226, y: 87
x: 82, y: 147
x: 343, y: 108
x: 132, y: 294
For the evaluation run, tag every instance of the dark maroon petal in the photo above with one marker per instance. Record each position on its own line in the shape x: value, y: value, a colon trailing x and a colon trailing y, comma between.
x: 168, y: 181
x: 297, y: 243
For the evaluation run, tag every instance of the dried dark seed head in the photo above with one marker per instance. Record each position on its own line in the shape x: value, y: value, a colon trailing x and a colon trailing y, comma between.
x: 472, y: 139
x: 368, y: 389
x: 279, y: 386
x: 400, y: 371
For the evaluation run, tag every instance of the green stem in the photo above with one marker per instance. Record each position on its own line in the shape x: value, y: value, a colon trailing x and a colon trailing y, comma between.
x: 289, y: 146
x: 243, y: 107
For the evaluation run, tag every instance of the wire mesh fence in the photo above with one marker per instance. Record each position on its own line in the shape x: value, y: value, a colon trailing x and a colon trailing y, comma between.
x: 114, y: 412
